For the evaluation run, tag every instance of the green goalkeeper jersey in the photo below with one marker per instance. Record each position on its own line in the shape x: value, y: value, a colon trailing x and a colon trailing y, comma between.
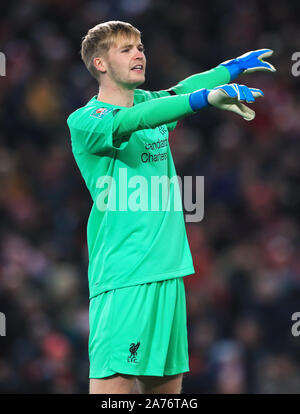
x: 136, y: 231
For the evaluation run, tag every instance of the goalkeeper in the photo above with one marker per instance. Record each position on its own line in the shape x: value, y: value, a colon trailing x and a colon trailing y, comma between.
x: 138, y: 257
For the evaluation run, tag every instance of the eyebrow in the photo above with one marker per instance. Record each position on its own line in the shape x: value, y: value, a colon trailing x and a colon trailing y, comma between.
x: 131, y: 46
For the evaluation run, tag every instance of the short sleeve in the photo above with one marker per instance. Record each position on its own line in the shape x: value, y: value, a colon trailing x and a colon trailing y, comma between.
x: 91, y: 130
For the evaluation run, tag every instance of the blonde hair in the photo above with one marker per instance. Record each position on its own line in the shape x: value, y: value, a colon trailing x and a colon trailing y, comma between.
x: 100, y: 38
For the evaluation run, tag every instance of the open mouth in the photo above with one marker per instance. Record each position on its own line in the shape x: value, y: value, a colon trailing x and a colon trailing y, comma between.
x: 138, y: 68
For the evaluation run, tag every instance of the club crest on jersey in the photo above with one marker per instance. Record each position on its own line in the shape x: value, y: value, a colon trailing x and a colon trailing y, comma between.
x: 100, y: 112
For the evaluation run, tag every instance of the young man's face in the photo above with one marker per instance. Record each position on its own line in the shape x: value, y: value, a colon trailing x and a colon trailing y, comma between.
x: 125, y: 63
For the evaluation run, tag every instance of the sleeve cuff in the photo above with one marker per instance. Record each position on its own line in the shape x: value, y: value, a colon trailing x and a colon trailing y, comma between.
x: 233, y: 68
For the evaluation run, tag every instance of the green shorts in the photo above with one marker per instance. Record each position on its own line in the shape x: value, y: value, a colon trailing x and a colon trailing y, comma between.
x: 139, y: 330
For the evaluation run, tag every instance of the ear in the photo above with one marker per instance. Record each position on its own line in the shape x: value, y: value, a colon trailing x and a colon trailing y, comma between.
x: 99, y: 64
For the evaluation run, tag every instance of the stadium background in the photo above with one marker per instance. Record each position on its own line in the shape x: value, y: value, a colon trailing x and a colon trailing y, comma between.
x: 247, y: 282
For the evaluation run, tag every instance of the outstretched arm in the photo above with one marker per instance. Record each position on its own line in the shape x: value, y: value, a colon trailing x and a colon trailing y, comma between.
x: 223, y: 73
x: 153, y: 113
x: 114, y: 127
x: 209, y: 79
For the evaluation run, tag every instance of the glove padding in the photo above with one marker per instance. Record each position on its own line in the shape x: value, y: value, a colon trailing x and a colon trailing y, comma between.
x: 230, y: 98
x: 249, y: 62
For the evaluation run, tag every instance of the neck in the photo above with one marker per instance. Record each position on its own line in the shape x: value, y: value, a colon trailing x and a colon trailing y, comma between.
x: 116, y: 95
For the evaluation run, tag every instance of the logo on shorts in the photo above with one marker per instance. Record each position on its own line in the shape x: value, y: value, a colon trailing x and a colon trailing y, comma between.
x: 133, y: 352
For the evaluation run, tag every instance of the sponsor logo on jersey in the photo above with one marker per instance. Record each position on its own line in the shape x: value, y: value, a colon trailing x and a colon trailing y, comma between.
x: 163, y: 129
x: 100, y: 112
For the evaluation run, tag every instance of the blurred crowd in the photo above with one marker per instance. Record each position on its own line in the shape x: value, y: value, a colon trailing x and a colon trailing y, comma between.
x: 245, y: 250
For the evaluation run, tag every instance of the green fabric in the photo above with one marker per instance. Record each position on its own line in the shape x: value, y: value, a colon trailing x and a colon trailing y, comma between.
x: 209, y: 80
x: 150, y: 318
x: 122, y: 121
x: 151, y: 114
x: 128, y: 247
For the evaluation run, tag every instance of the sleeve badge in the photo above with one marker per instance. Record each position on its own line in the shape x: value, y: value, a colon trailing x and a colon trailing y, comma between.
x: 100, y: 112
